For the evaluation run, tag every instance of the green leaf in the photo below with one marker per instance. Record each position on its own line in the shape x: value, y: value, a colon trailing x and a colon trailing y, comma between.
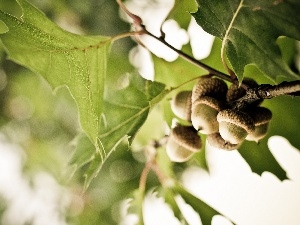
x: 62, y: 58
x: 284, y: 123
x: 126, y: 107
x: 84, y: 151
x: 260, y: 159
x: 79, y: 63
x: 181, y: 12
x: 205, y: 211
x: 3, y: 28
x: 249, y: 30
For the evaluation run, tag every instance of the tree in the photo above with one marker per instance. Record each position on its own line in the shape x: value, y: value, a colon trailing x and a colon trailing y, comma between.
x: 253, y: 39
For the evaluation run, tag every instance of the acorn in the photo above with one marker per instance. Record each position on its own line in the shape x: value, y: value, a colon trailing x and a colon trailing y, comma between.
x: 234, y: 125
x: 204, y: 114
x: 181, y: 105
x: 182, y: 143
x: 235, y: 92
x: 261, y: 117
x: 217, y: 141
x: 212, y: 87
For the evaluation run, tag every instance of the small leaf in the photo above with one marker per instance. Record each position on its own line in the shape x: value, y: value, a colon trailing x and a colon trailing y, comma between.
x: 84, y: 151
x: 249, y: 30
x: 181, y: 12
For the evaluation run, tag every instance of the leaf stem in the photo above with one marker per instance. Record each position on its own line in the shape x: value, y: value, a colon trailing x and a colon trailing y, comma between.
x: 124, y: 35
x: 232, y: 74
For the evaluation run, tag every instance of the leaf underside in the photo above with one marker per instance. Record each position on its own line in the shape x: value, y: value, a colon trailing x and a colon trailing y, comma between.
x: 62, y: 58
x: 108, y: 114
x: 249, y: 30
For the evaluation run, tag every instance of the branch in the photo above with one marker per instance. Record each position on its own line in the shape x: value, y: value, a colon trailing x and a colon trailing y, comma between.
x: 267, y: 91
x: 284, y: 88
x: 141, y: 29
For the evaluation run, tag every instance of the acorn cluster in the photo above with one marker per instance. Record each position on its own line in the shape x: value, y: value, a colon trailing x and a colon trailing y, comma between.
x: 210, y: 109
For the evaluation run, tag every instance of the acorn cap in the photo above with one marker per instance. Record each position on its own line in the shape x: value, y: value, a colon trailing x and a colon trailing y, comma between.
x: 204, y: 114
x: 212, y: 87
x: 187, y: 137
x: 217, y: 141
x: 238, y: 118
x: 260, y: 115
x: 210, y: 101
x: 181, y: 105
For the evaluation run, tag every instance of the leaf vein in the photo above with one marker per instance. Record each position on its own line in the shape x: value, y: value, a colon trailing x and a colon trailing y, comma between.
x: 255, y: 44
x: 123, y: 123
x: 224, y: 41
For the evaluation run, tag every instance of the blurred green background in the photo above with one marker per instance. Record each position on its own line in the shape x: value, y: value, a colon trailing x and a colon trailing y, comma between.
x: 45, y: 122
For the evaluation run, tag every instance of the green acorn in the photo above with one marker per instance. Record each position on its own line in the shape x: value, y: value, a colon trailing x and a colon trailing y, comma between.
x: 204, y: 114
x: 182, y: 143
x: 261, y: 117
x: 181, y: 105
x: 217, y: 141
x: 212, y: 87
x: 234, y: 125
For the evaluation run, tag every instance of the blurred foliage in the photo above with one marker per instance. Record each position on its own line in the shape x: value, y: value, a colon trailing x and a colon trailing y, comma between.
x: 45, y: 123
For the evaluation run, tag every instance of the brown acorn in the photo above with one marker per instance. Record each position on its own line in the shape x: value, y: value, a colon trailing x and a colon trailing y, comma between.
x: 234, y: 125
x: 182, y: 143
x: 204, y: 114
x: 261, y: 117
x: 181, y: 105
x: 217, y: 141
x: 212, y: 87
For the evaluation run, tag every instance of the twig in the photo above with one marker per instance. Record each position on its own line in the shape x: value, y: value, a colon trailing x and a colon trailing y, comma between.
x: 144, y: 175
x: 284, y: 88
x: 192, y: 60
x: 267, y: 91
x: 141, y: 29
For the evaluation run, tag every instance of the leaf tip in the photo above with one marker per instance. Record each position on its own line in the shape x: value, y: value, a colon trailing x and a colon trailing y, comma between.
x: 3, y: 27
